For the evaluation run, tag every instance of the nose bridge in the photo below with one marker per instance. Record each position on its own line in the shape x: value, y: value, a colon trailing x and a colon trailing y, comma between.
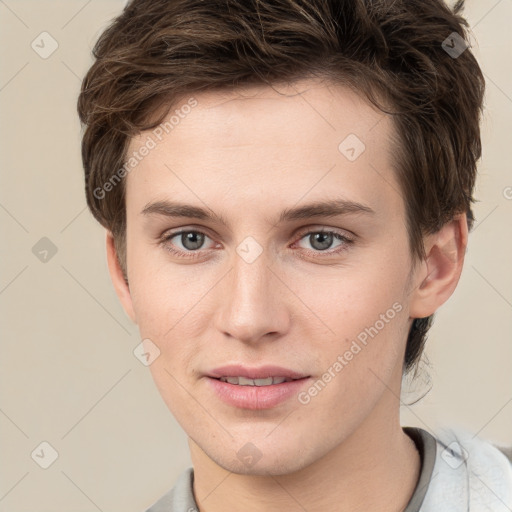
x: 251, y: 279
x: 251, y: 307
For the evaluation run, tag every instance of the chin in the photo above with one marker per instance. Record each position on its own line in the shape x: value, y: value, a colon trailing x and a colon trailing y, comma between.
x: 261, y: 468
x: 250, y: 460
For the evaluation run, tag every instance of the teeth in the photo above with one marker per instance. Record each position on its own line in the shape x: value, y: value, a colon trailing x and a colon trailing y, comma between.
x: 244, y: 381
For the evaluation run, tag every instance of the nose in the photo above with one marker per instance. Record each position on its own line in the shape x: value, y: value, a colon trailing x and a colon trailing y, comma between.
x: 253, y: 303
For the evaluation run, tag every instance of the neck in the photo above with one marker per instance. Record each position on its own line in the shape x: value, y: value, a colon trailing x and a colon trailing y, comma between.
x: 375, y: 468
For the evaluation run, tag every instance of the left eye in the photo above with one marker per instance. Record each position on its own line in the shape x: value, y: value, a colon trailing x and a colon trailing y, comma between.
x: 323, y: 240
x: 190, y: 240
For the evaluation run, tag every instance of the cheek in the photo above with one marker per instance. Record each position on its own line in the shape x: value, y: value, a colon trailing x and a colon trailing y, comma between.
x: 362, y: 314
x: 169, y: 301
x: 160, y: 290
x: 345, y: 301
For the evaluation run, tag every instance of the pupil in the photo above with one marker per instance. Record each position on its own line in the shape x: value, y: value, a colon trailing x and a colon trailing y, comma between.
x: 191, y: 240
x: 325, y: 244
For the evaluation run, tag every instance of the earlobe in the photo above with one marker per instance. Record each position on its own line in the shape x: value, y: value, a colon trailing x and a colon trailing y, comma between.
x: 116, y: 274
x: 439, y: 273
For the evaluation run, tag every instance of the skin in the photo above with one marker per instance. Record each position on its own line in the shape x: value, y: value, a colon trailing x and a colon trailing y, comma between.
x: 247, y: 155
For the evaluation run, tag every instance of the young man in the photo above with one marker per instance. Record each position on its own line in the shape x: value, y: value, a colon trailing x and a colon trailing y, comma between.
x: 286, y: 188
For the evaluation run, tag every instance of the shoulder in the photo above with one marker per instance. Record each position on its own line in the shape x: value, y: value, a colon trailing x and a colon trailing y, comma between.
x: 506, y: 450
x: 469, y: 473
x: 180, y: 498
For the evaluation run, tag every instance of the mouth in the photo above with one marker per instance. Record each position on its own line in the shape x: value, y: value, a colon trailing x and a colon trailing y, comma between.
x: 244, y: 381
x: 256, y: 388
x: 267, y: 375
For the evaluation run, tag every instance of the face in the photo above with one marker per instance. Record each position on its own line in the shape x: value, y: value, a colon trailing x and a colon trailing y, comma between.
x: 267, y: 276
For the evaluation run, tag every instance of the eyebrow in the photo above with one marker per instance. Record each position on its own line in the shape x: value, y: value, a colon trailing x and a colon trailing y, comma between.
x: 330, y: 208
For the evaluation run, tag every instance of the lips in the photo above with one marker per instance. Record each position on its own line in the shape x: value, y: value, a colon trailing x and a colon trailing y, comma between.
x: 252, y: 374
x: 259, y: 388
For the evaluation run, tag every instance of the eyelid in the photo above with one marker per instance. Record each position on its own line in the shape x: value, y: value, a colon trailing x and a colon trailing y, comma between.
x: 169, y: 234
x: 328, y: 229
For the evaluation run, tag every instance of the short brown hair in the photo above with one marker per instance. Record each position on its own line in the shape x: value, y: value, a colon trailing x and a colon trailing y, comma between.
x: 394, y: 52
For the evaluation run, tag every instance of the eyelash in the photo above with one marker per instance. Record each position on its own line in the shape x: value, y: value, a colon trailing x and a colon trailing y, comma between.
x: 197, y: 253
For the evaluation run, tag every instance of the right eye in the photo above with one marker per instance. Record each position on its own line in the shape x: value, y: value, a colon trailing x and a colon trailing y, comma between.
x: 191, y: 242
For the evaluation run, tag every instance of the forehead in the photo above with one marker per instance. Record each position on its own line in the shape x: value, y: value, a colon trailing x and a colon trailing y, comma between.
x: 261, y: 142
x: 255, y: 113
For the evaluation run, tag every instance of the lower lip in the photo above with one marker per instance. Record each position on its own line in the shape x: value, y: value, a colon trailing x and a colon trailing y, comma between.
x: 256, y: 397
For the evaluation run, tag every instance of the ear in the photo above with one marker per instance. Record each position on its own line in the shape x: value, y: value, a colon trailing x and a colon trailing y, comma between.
x: 116, y: 274
x: 437, y: 275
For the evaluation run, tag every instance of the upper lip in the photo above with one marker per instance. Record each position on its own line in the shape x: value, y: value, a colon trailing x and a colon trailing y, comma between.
x: 262, y: 372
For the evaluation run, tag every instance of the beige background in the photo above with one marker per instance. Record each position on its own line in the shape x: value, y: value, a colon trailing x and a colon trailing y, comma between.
x: 68, y: 374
